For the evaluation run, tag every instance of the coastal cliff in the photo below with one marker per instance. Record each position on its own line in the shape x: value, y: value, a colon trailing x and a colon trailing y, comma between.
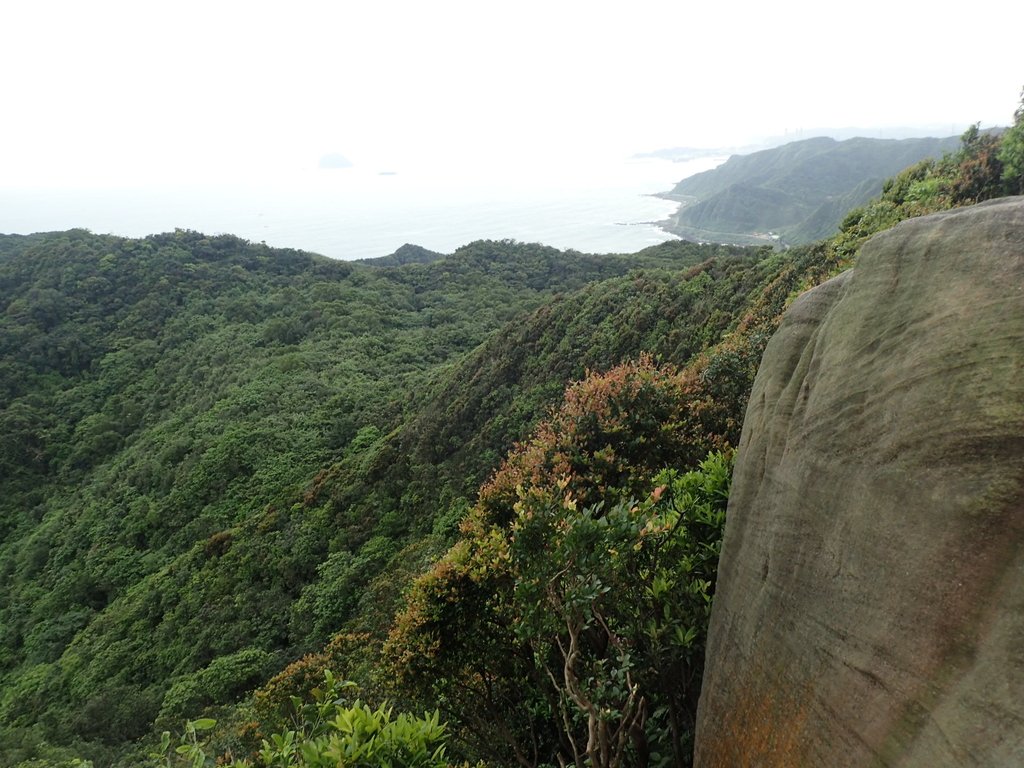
x: 870, y: 602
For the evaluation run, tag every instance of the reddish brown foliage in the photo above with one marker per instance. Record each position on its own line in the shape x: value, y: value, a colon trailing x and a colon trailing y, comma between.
x: 612, y: 428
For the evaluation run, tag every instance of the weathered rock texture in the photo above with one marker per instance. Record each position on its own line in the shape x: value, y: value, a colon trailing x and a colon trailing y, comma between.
x: 870, y: 606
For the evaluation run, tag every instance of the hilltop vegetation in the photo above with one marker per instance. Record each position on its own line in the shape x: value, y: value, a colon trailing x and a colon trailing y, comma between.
x: 231, y: 468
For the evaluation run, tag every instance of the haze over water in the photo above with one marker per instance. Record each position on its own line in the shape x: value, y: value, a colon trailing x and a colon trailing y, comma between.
x: 352, y: 213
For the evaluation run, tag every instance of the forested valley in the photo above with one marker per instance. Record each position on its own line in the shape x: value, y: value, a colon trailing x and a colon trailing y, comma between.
x: 280, y: 507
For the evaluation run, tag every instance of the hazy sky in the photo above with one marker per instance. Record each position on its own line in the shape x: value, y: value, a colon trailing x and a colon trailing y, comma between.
x: 104, y: 92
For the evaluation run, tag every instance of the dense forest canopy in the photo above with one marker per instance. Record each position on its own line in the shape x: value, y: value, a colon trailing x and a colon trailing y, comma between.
x: 169, y: 404
x: 228, y: 469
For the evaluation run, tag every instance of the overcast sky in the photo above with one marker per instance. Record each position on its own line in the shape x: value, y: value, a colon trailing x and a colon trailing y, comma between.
x: 104, y: 92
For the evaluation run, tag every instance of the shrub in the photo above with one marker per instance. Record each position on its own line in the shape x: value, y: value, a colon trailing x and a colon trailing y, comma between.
x: 329, y: 733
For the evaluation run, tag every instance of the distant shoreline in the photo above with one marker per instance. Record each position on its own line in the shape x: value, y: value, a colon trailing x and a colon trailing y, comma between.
x: 672, y: 226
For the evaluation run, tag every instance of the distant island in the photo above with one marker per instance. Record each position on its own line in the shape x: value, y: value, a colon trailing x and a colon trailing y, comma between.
x: 334, y: 160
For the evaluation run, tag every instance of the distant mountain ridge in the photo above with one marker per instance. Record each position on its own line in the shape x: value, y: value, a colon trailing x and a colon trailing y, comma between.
x: 792, y: 194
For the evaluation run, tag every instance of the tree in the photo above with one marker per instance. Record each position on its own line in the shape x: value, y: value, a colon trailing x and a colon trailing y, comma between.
x: 567, y: 625
x: 1011, y: 154
x: 615, y: 603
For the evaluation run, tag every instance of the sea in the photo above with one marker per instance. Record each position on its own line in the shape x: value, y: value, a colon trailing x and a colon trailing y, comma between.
x: 607, y: 206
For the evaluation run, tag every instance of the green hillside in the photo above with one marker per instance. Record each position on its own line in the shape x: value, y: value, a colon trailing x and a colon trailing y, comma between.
x: 227, y: 468
x: 167, y: 406
x: 799, y: 191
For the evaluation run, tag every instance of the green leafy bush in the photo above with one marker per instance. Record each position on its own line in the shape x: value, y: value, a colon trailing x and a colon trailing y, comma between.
x: 328, y: 733
x: 1011, y: 152
x: 615, y: 604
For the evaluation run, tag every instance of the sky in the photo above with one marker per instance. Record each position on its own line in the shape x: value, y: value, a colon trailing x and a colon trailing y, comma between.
x: 105, y: 93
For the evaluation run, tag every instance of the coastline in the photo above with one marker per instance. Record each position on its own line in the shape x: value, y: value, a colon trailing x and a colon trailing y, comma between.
x: 672, y: 226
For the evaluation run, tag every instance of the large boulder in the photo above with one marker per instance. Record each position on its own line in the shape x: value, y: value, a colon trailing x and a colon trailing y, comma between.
x: 870, y: 604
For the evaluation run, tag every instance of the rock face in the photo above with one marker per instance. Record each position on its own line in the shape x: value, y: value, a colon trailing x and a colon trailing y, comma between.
x: 870, y: 605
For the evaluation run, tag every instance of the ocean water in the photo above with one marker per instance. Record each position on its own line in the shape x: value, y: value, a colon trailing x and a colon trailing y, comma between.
x: 352, y: 213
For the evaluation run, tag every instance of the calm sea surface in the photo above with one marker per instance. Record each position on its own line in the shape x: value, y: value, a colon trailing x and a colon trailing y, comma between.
x: 351, y: 213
